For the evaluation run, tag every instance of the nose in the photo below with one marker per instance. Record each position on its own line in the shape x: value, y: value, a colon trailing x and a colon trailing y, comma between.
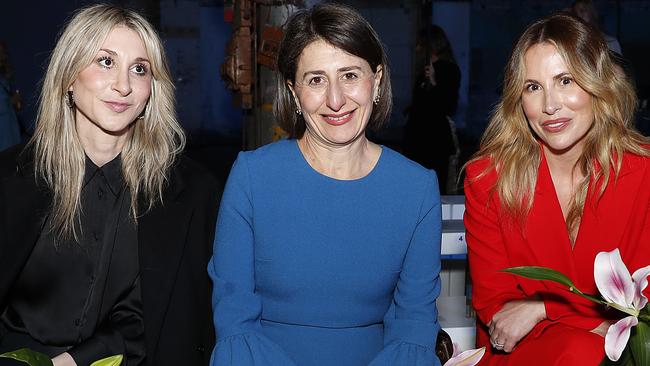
x: 122, y: 83
x: 335, y: 96
x: 552, y: 101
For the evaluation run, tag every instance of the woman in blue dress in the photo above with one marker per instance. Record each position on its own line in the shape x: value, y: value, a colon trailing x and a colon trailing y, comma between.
x: 328, y: 245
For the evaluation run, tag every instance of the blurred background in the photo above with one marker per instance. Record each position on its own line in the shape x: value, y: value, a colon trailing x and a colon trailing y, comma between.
x: 221, y: 55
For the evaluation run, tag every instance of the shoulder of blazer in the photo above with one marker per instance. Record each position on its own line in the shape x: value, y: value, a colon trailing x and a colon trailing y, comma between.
x: 191, y: 179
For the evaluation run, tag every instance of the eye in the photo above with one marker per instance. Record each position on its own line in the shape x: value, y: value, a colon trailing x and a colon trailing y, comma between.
x: 316, y: 81
x: 566, y: 80
x: 105, y: 61
x: 350, y: 76
x: 531, y: 87
x: 139, y: 69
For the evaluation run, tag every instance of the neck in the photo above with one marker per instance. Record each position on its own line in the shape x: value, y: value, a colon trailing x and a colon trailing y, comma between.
x: 344, y: 162
x: 100, y: 146
x: 563, y: 161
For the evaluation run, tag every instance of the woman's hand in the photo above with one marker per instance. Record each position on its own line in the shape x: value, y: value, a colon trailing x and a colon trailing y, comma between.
x: 514, y: 321
x: 601, y: 329
x: 64, y: 359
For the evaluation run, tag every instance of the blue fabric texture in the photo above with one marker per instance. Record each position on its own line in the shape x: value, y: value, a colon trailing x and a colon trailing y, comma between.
x: 310, y: 270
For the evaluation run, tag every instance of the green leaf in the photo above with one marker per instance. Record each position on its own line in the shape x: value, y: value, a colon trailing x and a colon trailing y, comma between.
x: 547, y: 274
x: 109, y: 361
x: 640, y: 343
x: 541, y: 273
x: 29, y: 357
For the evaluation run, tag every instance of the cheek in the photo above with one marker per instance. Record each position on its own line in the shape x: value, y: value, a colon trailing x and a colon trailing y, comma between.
x: 530, y: 107
x: 88, y: 80
x: 363, y: 93
x: 311, y: 100
x: 579, y: 100
x: 142, y: 90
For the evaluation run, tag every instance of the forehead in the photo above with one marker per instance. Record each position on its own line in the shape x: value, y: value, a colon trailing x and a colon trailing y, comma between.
x: 124, y: 39
x: 543, y: 60
x: 321, y: 55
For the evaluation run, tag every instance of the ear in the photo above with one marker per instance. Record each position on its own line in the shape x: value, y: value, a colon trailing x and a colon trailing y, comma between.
x: 293, y: 93
x: 378, y: 75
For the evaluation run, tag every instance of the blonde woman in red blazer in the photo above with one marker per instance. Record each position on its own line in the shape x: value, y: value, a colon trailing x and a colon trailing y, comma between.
x: 560, y: 176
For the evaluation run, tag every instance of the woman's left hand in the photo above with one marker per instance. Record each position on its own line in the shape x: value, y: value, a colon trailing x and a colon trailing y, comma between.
x: 514, y: 321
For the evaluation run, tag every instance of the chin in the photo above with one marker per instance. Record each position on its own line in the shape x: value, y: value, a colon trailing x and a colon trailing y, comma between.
x: 116, y: 129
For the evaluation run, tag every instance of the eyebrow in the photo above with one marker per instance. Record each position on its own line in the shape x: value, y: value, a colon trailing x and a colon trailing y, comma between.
x: 113, y: 53
x: 556, y: 77
x: 321, y: 72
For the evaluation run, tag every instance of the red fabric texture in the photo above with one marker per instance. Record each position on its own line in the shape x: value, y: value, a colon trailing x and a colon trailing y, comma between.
x: 617, y: 219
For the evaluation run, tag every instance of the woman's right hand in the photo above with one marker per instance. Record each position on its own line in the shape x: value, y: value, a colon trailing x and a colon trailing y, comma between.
x: 514, y: 321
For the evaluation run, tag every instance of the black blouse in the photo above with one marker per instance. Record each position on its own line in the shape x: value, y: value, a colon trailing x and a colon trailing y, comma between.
x: 84, y: 297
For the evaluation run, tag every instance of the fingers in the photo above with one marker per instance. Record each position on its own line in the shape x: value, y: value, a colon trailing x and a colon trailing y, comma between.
x: 499, y: 338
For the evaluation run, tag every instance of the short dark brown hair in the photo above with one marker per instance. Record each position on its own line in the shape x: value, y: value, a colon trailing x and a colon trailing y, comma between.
x: 344, y: 28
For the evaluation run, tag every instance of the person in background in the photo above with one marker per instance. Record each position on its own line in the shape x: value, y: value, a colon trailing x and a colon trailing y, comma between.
x: 429, y: 138
x: 585, y: 10
x: 560, y: 176
x: 9, y: 126
x: 328, y: 245
x: 105, y: 229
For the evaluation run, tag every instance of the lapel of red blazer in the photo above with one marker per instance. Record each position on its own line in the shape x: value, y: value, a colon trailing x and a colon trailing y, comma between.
x: 602, y: 226
x: 607, y: 218
x: 545, y: 230
x: 161, y: 237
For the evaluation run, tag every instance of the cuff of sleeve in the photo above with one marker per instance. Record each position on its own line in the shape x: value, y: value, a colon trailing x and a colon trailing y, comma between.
x: 90, y: 351
x: 417, y: 332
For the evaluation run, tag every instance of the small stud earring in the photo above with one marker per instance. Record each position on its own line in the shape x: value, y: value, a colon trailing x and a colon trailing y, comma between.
x: 376, y: 100
x: 298, y: 111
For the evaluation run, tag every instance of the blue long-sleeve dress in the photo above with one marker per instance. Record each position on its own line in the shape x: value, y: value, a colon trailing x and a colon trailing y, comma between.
x: 310, y: 270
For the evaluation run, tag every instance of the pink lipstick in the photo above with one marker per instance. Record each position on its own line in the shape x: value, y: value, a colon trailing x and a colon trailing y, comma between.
x: 338, y: 119
x: 555, y: 125
x: 117, y: 106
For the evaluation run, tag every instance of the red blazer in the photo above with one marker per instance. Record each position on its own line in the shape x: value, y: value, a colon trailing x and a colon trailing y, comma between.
x: 619, y: 219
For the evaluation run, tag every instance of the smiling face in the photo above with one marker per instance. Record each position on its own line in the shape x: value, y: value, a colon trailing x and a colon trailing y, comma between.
x: 335, y: 91
x: 111, y: 92
x: 557, y: 108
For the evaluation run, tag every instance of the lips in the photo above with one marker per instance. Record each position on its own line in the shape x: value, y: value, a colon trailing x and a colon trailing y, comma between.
x: 117, y: 106
x: 338, y: 119
x: 556, y: 125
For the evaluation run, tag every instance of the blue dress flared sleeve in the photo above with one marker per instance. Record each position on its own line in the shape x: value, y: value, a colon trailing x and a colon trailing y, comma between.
x: 237, y: 308
x: 411, y: 322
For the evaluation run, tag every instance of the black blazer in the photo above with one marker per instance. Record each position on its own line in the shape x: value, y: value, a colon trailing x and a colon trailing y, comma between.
x: 175, y: 245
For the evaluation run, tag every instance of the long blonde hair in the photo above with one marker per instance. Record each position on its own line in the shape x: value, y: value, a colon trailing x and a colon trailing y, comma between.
x: 512, y: 146
x: 154, y: 142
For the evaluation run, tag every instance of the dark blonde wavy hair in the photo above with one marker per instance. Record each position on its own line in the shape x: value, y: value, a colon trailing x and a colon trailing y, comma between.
x: 511, y: 145
x: 154, y: 142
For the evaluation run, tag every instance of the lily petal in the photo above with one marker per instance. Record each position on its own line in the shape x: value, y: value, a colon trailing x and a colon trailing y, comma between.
x: 640, y: 283
x: 468, y: 358
x: 617, y: 336
x: 613, y: 279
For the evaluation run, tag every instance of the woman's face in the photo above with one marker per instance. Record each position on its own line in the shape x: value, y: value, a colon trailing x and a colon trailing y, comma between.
x: 335, y: 91
x: 557, y: 108
x: 113, y: 90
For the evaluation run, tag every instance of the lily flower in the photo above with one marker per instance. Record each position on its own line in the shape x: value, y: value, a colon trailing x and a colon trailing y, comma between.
x: 622, y: 292
x: 468, y: 358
